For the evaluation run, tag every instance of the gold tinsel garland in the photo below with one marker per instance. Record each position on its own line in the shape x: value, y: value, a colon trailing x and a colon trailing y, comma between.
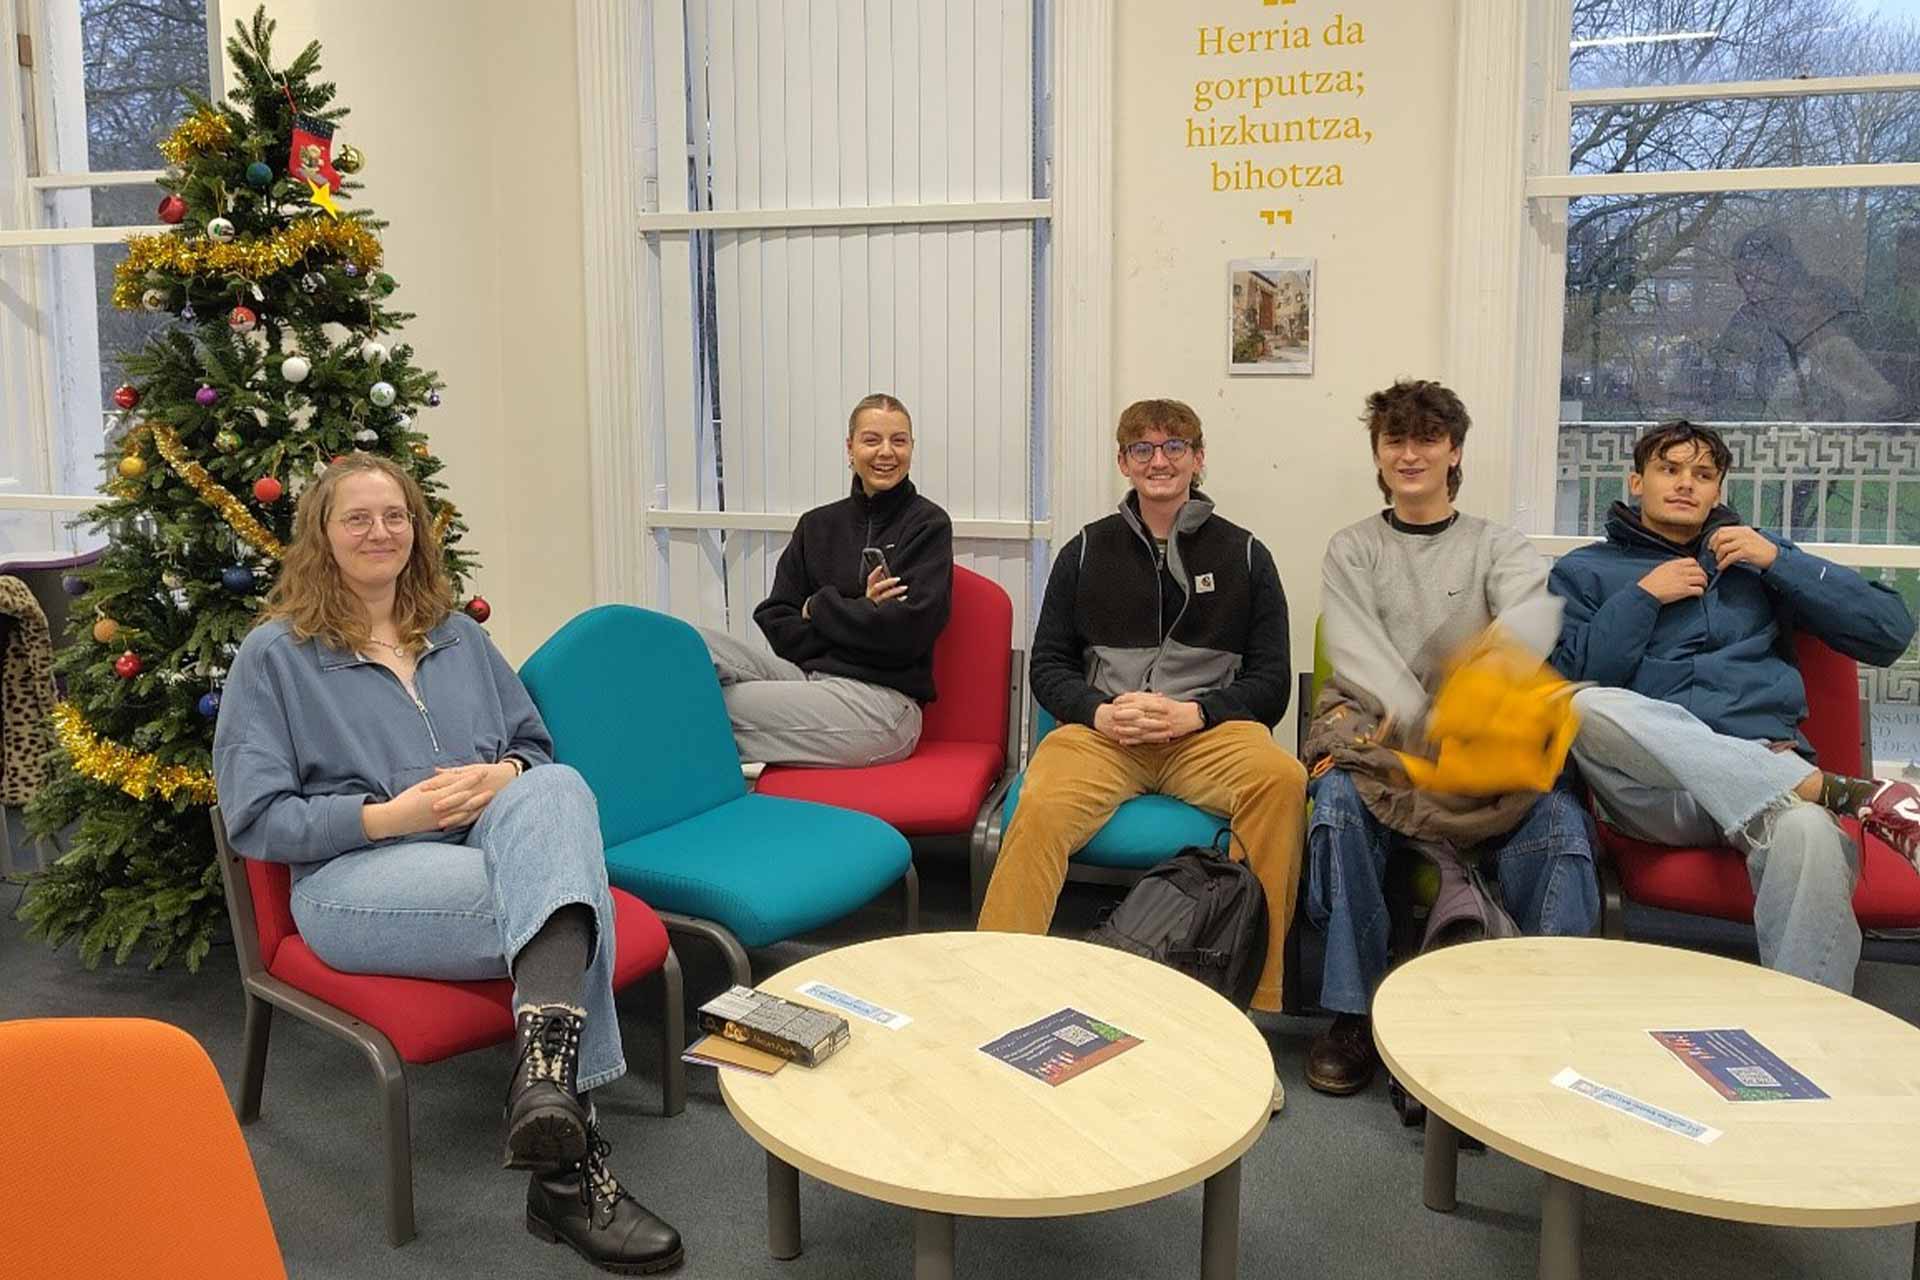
x: 254, y: 258
x: 213, y: 493
x: 116, y: 766
x: 198, y: 134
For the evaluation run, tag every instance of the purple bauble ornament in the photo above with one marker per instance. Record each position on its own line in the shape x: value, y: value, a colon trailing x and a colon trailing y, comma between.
x: 351, y: 270
x: 433, y: 399
x: 73, y: 584
x: 238, y: 579
x: 209, y: 704
x: 206, y: 397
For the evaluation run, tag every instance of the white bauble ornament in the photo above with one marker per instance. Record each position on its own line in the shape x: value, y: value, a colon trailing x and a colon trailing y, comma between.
x: 366, y: 436
x: 373, y: 352
x: 220, y: 229
x: 382, y: 394
x: 295, y: 368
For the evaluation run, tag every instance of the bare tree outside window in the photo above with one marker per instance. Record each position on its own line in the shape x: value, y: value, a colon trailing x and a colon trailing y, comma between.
x: 138, y: 60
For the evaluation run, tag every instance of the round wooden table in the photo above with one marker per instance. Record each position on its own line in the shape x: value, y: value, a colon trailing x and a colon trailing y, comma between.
x: 1478, y: 1032
x: 920, y: 1117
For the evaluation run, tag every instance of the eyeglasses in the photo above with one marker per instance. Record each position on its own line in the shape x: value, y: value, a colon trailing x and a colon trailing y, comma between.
x: 360, y: 523
x: 1142, y: 450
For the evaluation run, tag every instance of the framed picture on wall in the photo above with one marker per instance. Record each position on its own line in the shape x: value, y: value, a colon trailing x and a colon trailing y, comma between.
x: 1270, y: 317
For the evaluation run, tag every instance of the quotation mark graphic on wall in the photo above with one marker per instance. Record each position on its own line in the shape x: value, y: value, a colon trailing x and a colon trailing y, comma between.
x: 1270, y: 216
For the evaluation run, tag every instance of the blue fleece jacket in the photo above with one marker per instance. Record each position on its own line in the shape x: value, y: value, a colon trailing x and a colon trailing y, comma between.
x: 308, y: 734
x: 1725, y: 655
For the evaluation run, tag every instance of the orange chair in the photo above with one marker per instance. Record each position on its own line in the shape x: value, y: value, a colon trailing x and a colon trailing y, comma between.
x: 121, y: 1157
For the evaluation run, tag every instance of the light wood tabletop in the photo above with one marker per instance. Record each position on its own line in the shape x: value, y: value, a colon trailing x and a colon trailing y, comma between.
x: 1478, y: 1032
x: 921, y: 1117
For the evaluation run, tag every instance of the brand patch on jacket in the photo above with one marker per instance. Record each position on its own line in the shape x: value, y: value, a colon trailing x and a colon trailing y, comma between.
x: 1203, y: 583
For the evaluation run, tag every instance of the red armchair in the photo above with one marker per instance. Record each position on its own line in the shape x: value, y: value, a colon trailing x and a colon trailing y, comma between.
x: 968, y: 738
x: 1713, y: 882
x: 396, y: 1021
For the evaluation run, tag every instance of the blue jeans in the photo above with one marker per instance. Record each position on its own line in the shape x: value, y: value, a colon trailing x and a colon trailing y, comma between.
x: 1659, y: 774
x: 1544, y: 867
x: 462, y: 911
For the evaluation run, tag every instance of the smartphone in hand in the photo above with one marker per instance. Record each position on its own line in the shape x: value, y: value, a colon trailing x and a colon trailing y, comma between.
x: 872, y: 558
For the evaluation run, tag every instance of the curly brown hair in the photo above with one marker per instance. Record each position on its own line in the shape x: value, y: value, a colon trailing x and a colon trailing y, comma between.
x: 312, y: 596
x: 1423, y: 410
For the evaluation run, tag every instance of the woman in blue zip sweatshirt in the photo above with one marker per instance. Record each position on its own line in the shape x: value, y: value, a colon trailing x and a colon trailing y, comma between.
x: 374, y: 738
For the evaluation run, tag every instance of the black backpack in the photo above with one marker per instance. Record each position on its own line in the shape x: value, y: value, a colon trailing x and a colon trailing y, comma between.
x: 1199, y: 912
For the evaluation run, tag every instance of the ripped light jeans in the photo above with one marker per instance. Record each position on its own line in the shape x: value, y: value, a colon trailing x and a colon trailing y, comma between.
x: 461, y: 911
x: 1661, y: 775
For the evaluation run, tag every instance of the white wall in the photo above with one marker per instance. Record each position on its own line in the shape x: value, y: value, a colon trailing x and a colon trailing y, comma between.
x: 467, y: 113
x: 1286, y: 456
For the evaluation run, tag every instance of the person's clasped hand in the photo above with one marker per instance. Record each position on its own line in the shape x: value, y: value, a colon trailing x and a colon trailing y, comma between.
x: 1136, y: 717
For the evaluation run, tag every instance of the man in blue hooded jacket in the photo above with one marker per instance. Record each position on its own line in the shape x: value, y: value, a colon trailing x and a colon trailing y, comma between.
x: 1682, y: 617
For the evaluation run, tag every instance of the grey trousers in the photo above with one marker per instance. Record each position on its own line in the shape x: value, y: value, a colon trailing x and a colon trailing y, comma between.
x: 783, y: 715
x: 1661, y: 775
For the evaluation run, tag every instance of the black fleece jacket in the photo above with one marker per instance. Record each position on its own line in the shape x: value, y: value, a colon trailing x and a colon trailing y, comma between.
x: 845, y: 634
x: 1207, y: 625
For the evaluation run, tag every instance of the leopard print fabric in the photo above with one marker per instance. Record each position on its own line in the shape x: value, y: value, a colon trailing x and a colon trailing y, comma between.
x: 26, y: 696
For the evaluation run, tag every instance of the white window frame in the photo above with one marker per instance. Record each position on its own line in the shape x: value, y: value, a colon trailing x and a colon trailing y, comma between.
x: 27, y: 121
x: 1512, y: 185
x: 621, y: 205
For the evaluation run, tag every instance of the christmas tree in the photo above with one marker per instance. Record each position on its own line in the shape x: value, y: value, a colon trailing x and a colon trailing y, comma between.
x: 282, y: 359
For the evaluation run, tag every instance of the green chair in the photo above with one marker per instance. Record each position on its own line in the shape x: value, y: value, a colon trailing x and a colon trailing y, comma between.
x: 632, y: 702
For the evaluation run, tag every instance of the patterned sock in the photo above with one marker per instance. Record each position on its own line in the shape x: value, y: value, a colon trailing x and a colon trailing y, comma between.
x: 1846, y: 795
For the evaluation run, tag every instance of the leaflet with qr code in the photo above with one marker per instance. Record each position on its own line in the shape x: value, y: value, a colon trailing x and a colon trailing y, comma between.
x: 1736, y: 1065
x: 1076, y: 1035
x: 847, y: 1003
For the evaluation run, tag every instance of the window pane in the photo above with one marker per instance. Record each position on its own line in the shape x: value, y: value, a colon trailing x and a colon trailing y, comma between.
x: 1745, y: 133
x: 138, y: 57
x: 1791, y: 320
x: 118, y: 206
x: 52, y: 414
x: 1619, y: 43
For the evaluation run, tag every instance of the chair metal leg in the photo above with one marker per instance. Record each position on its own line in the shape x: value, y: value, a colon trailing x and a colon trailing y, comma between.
x: 739, y: 968
x: 253, y: 1060
x: 1613, y: 912
x: 912, y: 882
x: 397, y: 1136
x: 673, y: 1037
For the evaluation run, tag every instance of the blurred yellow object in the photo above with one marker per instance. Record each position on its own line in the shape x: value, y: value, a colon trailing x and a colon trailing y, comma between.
x: 1502, y: 721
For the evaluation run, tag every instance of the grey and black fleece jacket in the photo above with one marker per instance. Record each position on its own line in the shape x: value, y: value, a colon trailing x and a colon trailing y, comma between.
x: 1208, y: 626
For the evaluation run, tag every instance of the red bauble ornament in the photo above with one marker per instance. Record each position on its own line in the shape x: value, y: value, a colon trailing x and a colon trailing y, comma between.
x: 242, y: 319
x: 267, y: 490
x: 127, y: 665
x: 478, y: 609
x: 126, y: 396
x: 172, y: 209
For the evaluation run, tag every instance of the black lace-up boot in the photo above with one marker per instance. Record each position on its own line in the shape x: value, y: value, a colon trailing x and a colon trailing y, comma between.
x: 586, y: 1208
x: 546, y: 1125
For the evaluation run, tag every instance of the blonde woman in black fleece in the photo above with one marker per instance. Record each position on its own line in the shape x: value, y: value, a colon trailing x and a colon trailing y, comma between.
x: 852, y: 633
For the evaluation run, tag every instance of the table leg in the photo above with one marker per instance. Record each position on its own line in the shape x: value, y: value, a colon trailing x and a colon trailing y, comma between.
x: 1916, y: 1251
x: 932, y: 1245
x: 1442, y: 1152
x: 1220, y: 1225
x: 1560, y: 1210
x: 783, y: 1208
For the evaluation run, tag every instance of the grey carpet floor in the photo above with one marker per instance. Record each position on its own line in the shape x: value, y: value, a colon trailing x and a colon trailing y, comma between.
x: 1331, y: 1190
